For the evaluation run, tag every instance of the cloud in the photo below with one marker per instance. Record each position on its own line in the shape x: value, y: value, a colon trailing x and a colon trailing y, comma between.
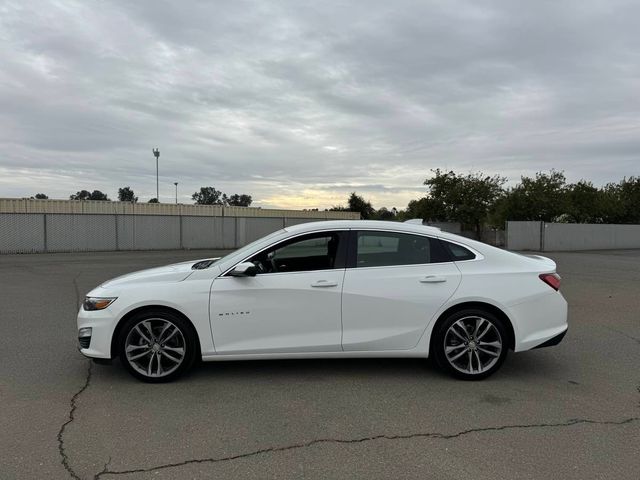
x: 298, y: 104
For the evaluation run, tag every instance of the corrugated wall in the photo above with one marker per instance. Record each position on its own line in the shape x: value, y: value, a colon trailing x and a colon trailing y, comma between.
x: 550, y: 237
x: 30, y: 205
x: 30, y: 226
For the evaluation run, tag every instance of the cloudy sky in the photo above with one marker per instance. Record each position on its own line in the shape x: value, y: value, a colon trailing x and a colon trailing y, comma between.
x: 299, y: 103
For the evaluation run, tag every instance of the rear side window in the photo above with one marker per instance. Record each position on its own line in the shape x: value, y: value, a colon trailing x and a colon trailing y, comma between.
x: 379, y: 249
x: 458, y: 252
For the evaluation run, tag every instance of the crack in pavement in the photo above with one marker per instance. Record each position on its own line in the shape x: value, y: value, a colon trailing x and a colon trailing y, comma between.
x: 73, y: 402
x: 71, y: 417
x: 436, y: 435
x: 77, y: 288
x: 624, y: 334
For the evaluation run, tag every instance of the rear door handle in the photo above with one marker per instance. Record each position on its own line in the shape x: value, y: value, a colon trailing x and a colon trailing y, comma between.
x: 324, y: 283
x: 433, y: 279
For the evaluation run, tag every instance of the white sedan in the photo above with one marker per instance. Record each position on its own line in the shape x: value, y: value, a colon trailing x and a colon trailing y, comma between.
x: 335, y: 289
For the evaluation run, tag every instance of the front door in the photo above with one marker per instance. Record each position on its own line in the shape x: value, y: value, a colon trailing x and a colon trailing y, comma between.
x: 291, y: 305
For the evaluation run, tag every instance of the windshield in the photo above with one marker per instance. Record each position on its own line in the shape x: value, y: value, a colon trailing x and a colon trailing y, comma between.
x: 247, y: 248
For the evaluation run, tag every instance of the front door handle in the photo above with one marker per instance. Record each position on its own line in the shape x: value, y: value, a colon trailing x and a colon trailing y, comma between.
x: 324, y: 283
x: 433, y: 279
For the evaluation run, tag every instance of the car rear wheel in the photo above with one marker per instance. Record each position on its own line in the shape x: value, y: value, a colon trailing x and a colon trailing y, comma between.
x: 470, y: 344
x: 157, y: 346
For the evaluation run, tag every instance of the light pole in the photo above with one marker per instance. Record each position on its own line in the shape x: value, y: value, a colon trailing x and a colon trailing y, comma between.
x: 176, y: 184
x: 156, y: 153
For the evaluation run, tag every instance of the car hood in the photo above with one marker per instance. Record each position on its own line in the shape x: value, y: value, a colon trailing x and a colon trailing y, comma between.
x: 169, y: 273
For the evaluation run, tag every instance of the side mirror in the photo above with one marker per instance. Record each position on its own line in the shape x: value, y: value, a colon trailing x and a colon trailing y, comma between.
x: 244, y: 269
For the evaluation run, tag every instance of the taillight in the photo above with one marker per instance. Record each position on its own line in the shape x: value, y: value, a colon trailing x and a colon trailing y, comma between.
x: 551, y: 279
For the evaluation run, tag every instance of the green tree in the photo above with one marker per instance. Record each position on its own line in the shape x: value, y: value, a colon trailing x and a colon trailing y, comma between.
x: 463, y: 198
x: 541, y: 198
x: 208, y: 196
x: 237, y: 200
x: 584, y: 203
x: 40, y: 196
x: 629, y: 189
x: 86, y: 195
x: 427, y: 208
x: 125, y: 194
x: 153, y: 200
x: 358, y: 204
x: 385, y: 214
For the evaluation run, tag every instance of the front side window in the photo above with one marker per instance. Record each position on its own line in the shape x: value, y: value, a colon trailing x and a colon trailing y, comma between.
x: 317, y: 251
x: 378, y: 249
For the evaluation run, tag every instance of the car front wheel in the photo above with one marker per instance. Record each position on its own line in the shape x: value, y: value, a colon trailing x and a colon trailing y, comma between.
x: 157, y: 346
x: 470, y: 344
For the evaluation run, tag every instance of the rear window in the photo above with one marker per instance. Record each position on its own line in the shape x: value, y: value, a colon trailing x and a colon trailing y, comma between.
x: 458, y: 252
x: 378, y: 249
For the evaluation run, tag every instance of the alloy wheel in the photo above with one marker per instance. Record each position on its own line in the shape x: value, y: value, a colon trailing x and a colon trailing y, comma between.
x: 472, y: 345
x: 155, y: 347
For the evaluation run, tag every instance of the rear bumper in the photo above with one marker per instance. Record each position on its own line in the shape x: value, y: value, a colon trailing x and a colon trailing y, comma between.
x: 553, y: 340
x: 541, y: 320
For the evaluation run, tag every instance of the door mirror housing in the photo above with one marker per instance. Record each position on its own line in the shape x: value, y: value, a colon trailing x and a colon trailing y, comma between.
x: 244, y: 269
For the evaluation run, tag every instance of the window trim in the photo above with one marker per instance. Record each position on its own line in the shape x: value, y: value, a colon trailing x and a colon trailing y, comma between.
x: 352, y: 252
x: 341, y: 255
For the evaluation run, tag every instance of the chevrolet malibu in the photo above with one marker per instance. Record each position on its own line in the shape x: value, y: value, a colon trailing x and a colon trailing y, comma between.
x: 336, y: 289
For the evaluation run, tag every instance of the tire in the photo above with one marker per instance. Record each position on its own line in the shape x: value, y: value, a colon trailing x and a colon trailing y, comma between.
x: 470, y: 344
x: 157, y: 346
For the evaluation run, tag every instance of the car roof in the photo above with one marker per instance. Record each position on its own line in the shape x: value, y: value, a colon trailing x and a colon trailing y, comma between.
x: 362, y: 224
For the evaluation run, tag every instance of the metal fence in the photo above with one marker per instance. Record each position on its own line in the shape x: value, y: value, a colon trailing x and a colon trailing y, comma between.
x: 32, y: 226
x: 542, y: 236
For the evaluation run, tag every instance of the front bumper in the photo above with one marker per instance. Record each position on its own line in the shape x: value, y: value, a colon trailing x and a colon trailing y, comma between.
x: 102, y: 324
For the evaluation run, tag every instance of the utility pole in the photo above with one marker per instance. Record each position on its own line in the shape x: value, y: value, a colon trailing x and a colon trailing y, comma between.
x: 156, y: 153
x: 176, y: 184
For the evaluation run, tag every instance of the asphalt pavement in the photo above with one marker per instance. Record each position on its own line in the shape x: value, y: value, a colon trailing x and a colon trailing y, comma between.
x: 570, y: 411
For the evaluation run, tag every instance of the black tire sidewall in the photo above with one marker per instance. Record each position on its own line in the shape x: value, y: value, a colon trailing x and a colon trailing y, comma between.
x: 437, y: 343
x: 187, y: 330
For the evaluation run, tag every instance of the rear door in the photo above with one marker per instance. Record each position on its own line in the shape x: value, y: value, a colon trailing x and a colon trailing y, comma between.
x: 394, y: 284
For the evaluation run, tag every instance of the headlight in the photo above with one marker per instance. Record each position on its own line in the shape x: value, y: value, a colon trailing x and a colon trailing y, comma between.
x: 97, y: 303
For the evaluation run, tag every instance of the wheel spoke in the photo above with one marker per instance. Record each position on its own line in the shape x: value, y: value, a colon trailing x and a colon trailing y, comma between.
x: 147, y: 325
x: 164, y: 329
x: 171, y: 357
x: 457, y: 334
x: 139, y: 355
x: 488, y: 352
x: 144, y: 337
x: 485, y: 331
x: 479, y: 322
x: 451, y: 348
x: 470, y: 361
x: 458, y: 355
x: 171, y: 335
x: 178, y: 350
x: 131, y: 348
x: 159, y: 369
x: 475, y: 353
x: 495, y: 344
x: 150, y: 366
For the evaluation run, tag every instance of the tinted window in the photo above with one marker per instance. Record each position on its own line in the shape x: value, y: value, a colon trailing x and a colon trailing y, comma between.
x: 458, y: 252
x: 310, y: 252
x: 378, y: 249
